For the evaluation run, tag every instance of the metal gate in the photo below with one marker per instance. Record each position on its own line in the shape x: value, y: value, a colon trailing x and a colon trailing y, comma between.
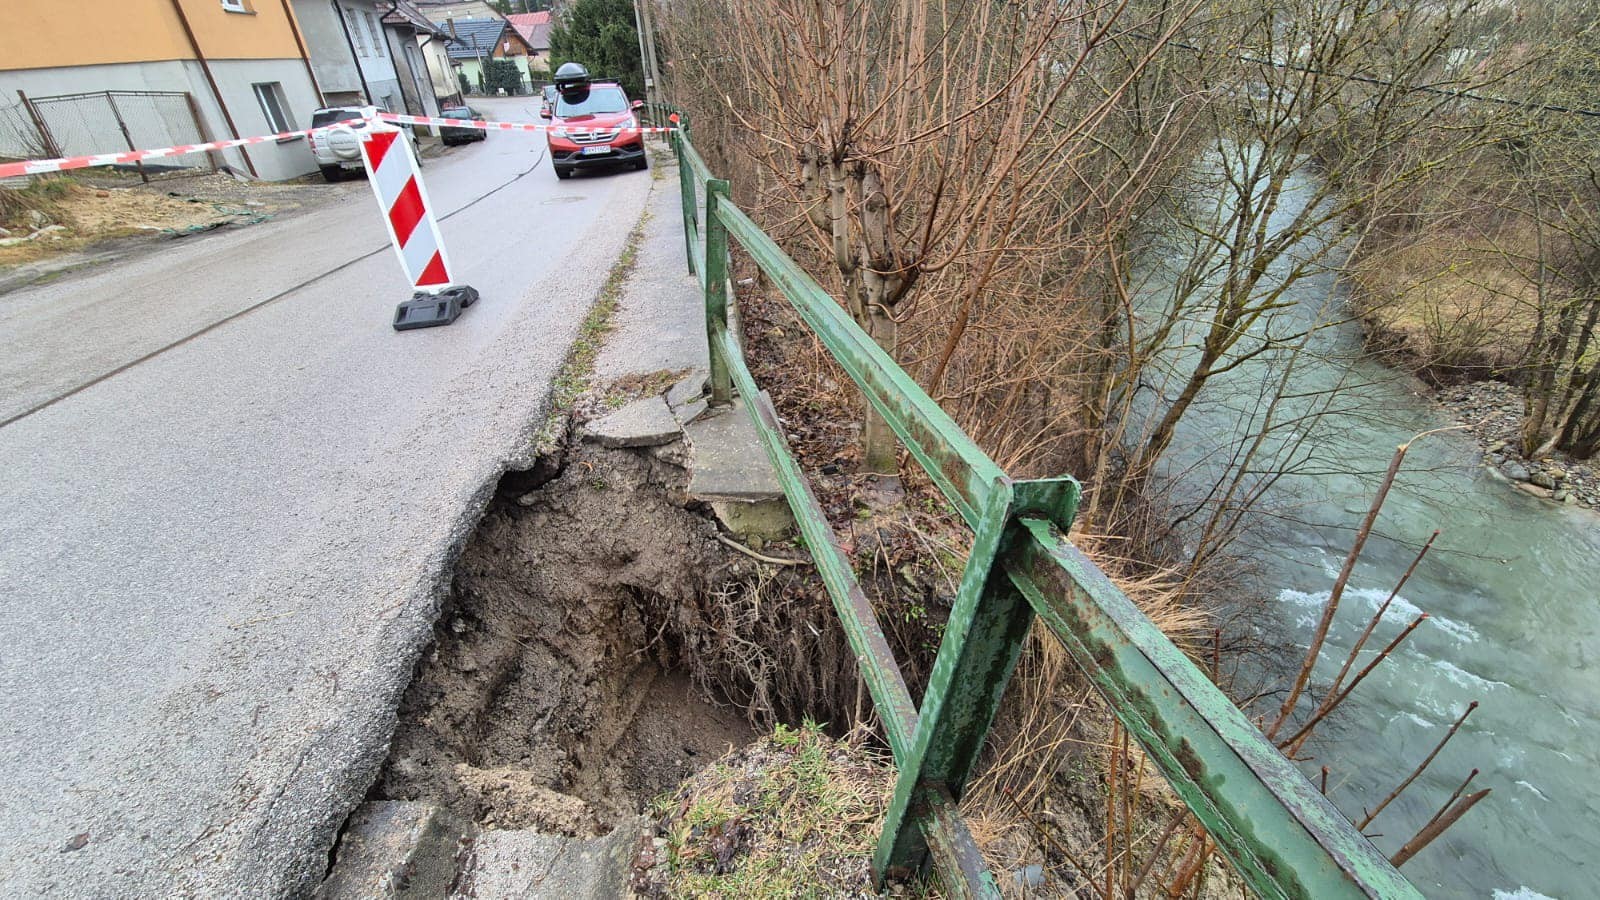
x: 105, y: 121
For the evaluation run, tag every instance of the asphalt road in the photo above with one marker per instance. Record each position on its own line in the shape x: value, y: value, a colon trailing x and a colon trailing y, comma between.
x: 231, y: 494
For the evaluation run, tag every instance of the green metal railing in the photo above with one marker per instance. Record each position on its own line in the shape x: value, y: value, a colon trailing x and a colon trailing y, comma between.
x: 1281, y: 835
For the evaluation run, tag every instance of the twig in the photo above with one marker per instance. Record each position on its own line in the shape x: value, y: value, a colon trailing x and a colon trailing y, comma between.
x: 1332, y: 703
x: 1155, y: 852
x: 1441, y: 821
x: 1083, y: 871
x: 1378, y: 616
x: 1362, y: 825
x: 771, y: 560
x: 1314, y: 651
x: 1329, y: 609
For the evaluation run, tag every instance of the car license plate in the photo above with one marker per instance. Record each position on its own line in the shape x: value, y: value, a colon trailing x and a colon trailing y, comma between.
x: 596, y: 151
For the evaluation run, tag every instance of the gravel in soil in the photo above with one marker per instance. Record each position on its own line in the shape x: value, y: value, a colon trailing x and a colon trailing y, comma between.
x: 1492, y: 412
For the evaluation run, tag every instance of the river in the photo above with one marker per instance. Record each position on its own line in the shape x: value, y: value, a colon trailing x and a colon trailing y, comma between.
x: 1512, y: 587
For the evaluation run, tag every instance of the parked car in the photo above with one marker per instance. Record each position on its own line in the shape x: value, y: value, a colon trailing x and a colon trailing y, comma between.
x: 452, y: 135
x: 594, y: 125
x: 338, y: 150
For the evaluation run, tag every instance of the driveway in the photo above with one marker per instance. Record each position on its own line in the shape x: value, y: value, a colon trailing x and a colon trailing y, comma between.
x: 232, y: 496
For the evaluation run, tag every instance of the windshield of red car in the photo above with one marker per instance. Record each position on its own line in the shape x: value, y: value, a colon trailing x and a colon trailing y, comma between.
x: 597, y: 101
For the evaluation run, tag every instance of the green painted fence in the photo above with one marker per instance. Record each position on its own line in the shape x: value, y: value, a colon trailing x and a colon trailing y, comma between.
x: 1282, y: 836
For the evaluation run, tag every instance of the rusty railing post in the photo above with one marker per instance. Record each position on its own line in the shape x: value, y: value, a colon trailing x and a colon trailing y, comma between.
x: 691, y: 223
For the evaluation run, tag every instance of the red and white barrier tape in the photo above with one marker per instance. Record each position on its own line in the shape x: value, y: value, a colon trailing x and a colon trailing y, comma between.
x: 65, y: 163
x: 41, y: 166
x: 486, y: 125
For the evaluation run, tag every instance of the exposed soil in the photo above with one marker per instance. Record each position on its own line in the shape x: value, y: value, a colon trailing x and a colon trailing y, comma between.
x: 94, y: 208
x: 556, y: 695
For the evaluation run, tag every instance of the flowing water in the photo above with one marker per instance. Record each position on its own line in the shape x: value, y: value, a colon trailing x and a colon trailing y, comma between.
x: 1512, y: 587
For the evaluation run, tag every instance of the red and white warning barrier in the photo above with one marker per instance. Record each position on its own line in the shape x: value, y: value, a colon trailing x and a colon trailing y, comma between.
x: 65, y: 163
x: 486, y: 125
x: 392, y: 171
x: 413, y: 230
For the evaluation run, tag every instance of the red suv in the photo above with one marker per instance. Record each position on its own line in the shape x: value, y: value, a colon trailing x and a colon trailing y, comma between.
x: 594, y: 126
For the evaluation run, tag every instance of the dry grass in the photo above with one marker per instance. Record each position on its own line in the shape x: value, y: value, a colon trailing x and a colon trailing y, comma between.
x: 1452, y: 300
x: 92, y: 214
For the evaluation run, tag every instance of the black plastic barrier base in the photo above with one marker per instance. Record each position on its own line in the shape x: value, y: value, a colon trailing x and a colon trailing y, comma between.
x: 425, y: 310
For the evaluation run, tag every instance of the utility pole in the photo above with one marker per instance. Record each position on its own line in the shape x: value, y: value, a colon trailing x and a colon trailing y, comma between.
x: 647, y: 49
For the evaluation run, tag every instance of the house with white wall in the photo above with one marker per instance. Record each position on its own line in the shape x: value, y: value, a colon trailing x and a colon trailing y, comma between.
x: 350, y: 53
x: 243, y: 64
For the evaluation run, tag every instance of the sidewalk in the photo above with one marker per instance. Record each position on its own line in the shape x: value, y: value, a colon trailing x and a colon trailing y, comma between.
x: 660, y: 321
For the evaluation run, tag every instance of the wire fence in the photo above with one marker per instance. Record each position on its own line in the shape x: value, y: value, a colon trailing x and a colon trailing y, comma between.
x: 106, y: 121
x: 19, y: 139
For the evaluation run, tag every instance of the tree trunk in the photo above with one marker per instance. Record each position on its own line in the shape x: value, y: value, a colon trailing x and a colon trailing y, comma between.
x: 878, y: 444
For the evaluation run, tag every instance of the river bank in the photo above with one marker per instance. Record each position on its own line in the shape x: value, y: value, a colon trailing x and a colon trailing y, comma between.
x: 1492, y: 413
x: 1465, y: 383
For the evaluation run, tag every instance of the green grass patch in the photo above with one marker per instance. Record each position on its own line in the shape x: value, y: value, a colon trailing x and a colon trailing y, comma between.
x: 796, y: 814
x: 575, y: 378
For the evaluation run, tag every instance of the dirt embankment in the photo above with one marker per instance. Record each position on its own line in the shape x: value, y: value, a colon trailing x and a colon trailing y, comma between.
x: 599, y: 646
x: 1452, y: 307
x: 59, y: 215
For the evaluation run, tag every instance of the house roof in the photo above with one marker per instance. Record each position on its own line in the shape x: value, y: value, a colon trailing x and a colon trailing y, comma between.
x: 534, y: 28
x: 446, y: 7
x: 474, y: 36
x: 406, y: 13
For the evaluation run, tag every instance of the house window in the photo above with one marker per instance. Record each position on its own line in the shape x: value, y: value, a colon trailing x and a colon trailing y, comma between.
x: 376, y: 32
x: 357, y: 36
x: 238, y: 6
x: 270, y: 96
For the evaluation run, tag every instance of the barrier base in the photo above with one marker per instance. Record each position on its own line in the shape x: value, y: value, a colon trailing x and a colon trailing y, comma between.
x: 430, y: 310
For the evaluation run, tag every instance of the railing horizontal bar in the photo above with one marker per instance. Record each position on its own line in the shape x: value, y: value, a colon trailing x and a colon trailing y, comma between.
x: 1282, y: 836
x: 696, y: 163
x: 873, y: 656
x: 964, y: 473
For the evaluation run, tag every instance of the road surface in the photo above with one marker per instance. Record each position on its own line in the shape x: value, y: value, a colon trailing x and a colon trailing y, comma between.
x: 231, y: 494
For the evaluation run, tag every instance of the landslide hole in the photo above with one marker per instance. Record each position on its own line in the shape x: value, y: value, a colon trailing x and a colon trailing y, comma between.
x: 599, y: 645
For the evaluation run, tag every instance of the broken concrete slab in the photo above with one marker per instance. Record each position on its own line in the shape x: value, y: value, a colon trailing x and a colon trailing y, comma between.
x: 728, y: 460
x: 729, y: 471
x: 521, y: 864
x: 394, y: 848
x: 691, y: 388
x: 690, y: 411
x: 642, y: 423
x: 750, y: 520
